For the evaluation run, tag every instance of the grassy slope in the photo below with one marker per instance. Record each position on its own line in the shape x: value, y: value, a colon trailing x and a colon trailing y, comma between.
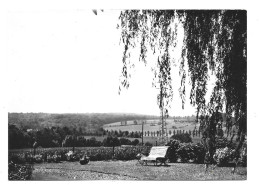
x: 132, y: 169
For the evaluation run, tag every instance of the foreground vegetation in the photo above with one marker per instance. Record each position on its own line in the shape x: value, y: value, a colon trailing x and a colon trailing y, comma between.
x: 21, y: 160
x: 178, y: 152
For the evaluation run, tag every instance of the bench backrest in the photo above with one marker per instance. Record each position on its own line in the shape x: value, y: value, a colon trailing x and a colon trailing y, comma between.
x: 158, y: 151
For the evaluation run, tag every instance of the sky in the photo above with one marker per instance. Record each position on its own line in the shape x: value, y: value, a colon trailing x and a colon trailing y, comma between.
x: 70, y: 61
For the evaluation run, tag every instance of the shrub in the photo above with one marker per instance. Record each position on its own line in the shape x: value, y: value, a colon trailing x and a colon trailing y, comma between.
x: 69, y: 141
x: 243, y: 156
x: 94, y: 153
x: 182, y: 137
x: 221, y: 142
x: 199, y: 153
x: 135, y: 142
x: 222, y: 156
x: 148, y: 144
x: 38, y: 158
x: 81, y: 141
x: 173, y: 147
x: 92, y: 142
x: 17, y: 159
x: 124, y: 141
x: 19, y: 172
x: 190, y: 152
x: 185, y: 153
x: 111, y: 141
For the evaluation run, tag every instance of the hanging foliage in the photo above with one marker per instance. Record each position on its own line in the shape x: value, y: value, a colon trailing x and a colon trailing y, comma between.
x: 215, y: 41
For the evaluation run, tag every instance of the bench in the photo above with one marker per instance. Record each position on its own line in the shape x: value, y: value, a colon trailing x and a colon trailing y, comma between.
x: 156, y: 155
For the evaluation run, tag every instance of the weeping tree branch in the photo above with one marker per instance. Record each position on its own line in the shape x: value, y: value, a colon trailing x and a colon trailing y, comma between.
x: 214, y: 41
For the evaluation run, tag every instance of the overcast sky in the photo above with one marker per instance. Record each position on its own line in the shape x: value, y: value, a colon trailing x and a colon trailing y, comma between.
x: 69, y: 61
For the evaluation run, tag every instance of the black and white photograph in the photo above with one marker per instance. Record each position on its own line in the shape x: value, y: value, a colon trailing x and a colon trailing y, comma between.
x: 126, y: 94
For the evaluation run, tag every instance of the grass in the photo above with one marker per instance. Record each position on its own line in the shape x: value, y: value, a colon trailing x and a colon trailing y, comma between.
x: 133, y: 170
x: 151, y: 126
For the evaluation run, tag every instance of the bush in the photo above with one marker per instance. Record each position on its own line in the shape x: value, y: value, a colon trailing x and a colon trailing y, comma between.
x: 111, y: 141
x: 199, y: 153
x: 172, y: 150
x: 221, y: 142
x: 186, y: 152
x: 38, y: 158
x: 69, y: 141
x: 93, y: 142
x: 94, y: 153
x: 124, y: 141
x: 135, y: 142
x: 72, y: 156
x: 18, y: 158
x: 19, y: 172
x: 183, y: 138
x: 243, y: 156
x: 190, y: 152
x: 222, y: 156
x: 148, y: 144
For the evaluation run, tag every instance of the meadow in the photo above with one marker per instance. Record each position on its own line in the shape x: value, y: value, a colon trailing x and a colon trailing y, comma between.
x: 132, y: 170
x: 152, y: 125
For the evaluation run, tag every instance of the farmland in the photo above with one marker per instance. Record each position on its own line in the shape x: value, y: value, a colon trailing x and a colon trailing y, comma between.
x: 183, y: 125
x: 172, y: 125
x: 152, y: 125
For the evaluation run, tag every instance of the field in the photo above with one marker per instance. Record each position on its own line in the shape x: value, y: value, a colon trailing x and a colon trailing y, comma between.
x: 152, y: 125
x: 132, y: 170
x: 182, y: 124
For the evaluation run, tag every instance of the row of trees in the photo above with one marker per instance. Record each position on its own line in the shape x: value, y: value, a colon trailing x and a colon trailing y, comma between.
x: 87, y: 121
x: 57, y: 137
x: 72, y: 141
x: 45, y: 137
x: 136, y: 134
x: 193, y: 133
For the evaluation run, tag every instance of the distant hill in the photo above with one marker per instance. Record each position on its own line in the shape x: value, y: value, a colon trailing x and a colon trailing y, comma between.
x: 87, y: 120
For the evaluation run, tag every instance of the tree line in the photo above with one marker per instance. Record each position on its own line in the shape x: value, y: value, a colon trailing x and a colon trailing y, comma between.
x: 138, y: 134
x: 59, y: 136
x: 87, y: 121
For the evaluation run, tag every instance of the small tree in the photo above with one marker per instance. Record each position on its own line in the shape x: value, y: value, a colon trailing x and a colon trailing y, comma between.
x: 124, y: 141
x: 183, y: 138
x: 135, y: 142
x: 112, y: 142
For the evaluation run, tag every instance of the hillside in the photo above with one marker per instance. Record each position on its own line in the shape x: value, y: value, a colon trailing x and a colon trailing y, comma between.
x: 86, y: 120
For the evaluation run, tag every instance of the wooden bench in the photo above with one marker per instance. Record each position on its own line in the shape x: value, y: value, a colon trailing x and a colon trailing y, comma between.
x: 156, y: 155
